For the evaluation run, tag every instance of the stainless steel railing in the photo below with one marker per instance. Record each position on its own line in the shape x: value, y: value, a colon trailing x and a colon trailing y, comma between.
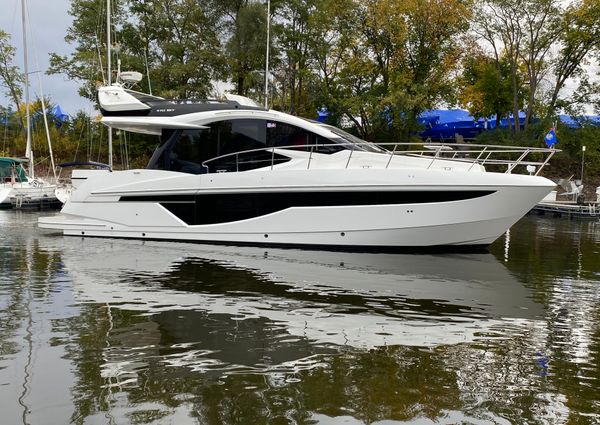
x: 493, y: 155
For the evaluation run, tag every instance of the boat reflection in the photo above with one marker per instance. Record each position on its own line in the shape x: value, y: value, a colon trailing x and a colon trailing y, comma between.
x: 152, y: 332
x: 357, y: 299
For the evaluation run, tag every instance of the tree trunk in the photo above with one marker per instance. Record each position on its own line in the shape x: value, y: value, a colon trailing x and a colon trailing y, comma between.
x: 515, y: 111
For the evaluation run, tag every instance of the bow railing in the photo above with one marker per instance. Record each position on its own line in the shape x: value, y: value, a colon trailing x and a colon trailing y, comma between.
x: 496, y: 156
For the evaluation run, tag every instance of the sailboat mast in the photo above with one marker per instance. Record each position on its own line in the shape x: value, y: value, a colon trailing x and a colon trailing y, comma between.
x: 267, y: 55
x: 108, y: 64
x: 28, y: 150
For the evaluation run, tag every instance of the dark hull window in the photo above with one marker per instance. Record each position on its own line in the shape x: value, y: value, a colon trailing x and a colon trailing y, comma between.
x: 223, y: 208
x: 186, y: 150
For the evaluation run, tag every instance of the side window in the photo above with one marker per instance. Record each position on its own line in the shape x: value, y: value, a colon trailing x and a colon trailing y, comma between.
x: 281, y: 134
x: 187, y: 154
x: 186, y: 150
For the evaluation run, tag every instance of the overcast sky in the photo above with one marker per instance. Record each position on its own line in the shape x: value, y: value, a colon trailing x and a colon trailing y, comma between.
x: 48, y: 23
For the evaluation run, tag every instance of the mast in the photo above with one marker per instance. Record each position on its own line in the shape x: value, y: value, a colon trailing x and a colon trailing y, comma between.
x: 267, y: 58
x: 110, y: 147
x: 28, y: 150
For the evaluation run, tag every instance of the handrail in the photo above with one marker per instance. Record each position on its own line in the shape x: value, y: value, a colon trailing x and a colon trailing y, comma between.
x: 460, y: 153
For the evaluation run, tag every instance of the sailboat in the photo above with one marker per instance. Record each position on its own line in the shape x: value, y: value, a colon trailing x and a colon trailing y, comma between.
x: 24, y: 189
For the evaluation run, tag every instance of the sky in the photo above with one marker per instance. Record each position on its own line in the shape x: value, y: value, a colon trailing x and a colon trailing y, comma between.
x: 48, y: 23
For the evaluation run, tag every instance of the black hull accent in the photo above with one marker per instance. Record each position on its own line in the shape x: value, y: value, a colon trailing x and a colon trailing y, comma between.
x: 376, y: 249
x: 226, y: 208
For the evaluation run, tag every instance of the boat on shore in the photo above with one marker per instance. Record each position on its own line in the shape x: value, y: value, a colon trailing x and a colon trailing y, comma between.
x: 232, y: 172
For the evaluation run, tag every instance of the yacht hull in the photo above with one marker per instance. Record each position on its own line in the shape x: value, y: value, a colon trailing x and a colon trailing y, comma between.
x: 422, y: 215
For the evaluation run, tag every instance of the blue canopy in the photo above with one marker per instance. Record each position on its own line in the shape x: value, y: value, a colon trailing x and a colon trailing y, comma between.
x: 59, y: 115
x: 577, y: 122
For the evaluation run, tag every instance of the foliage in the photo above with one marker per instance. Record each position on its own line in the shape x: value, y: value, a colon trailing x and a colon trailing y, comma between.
x: 175, y: 39
x: 375, y: 64
x: 10, y: 77
x: 246, y: 48
x: 485, y: 87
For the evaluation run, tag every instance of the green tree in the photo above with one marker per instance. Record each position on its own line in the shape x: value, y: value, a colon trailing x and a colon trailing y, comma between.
x: 246, y: 48
x: 428, y: 47
x: 175, y: 39
x: 579, y: 35
x: 541, y: 31
x: 88, y: 35
x: 486, y: 87
x: 499, y: 24
x: 10, y: 77
x: 293, y: 32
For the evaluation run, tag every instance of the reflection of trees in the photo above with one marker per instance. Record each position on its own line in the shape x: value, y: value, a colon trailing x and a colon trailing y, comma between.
x: 139, y: 367
x: 544, y: 249
x: 28, y: 273
x: 559, y: 260
x: 227, y: 371
x: 28, y: 276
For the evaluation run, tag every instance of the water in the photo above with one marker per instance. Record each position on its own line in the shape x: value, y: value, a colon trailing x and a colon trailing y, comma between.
x: 100, y: 331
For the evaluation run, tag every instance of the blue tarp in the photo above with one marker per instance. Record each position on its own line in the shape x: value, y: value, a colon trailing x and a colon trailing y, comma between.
x: 444, y: 124
x: 576, y: 122
x: 59, y: 115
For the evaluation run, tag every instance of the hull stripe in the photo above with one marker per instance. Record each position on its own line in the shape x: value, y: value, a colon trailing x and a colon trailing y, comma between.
x: 225, y: 208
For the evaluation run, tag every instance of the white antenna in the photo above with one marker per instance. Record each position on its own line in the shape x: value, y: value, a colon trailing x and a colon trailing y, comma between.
x: 267, y: 58
x: 108, y: 65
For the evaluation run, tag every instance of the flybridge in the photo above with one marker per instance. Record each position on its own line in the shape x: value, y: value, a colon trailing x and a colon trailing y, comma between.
x: 115, y: 100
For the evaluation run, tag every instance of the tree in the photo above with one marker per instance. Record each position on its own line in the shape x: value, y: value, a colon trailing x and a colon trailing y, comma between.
x: 293, y: 33
x: 88, y: 34
x: 499, y: 23
x: 10, y: 76
x: 541, y: 30
x: 486, y: 87
x: 427, y: 35
x: 246, y: 47
x: 579, y: 35
x: 175, y: 39
x: 180, y: 40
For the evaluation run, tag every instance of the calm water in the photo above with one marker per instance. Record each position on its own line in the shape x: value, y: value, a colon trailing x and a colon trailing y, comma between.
x: 99, y: 331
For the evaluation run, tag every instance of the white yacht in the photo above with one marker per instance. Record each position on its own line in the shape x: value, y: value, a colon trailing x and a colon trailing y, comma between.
x: 235, y: 173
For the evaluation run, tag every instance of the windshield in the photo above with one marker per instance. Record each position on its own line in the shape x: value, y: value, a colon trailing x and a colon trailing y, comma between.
x: 360, y: 143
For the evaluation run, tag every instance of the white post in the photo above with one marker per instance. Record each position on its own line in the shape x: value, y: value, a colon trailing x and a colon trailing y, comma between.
x: 28, y: 150
x: 110, y: 147
x: 267, y: 56
x: 582, y: 161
